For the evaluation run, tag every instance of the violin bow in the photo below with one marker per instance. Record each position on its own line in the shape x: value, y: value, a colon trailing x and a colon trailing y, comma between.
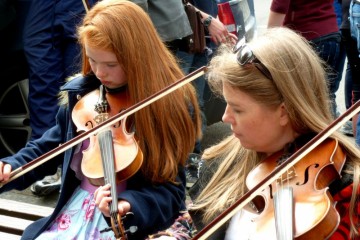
x: 111, y: 121
x: 276, y: 173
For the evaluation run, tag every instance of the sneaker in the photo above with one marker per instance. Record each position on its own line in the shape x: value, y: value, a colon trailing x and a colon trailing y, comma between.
x: 192, y: 169
x: 47, y: 185
x: 347, y: 129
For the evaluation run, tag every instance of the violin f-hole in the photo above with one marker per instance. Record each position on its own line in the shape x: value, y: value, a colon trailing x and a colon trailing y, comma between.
x: 89, y: 124
x: 306, y: 174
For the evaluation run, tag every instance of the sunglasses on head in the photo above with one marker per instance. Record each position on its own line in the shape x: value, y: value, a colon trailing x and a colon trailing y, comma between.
x: 246, y: 56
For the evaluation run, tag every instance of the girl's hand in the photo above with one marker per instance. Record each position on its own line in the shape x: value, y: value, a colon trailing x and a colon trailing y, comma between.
x: 5, y: 170
x: 103, y: 199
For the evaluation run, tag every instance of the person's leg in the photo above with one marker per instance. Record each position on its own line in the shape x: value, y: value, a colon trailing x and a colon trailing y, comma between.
x: 200, y: 60
x: 44, y: 66
x: 53, y: 54
x: 185, y: 61
x: 191, y: 62
x: 329, y: 51
x: 354, y: 69
x: 354, y: 17
x: 352, y: 77
x: 45, y: 77
x: 355, y: 62
x: 188, y: 65
x: 348, y: 86
x: 347, y: 128
x: 340, y: 63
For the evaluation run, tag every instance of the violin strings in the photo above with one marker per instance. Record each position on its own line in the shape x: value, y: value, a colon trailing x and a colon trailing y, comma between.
x: 108, y: 161
x: 283, y: 211
x: 106, y: 146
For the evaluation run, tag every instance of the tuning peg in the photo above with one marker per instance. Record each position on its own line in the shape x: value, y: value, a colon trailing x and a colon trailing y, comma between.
x: 132, y: 229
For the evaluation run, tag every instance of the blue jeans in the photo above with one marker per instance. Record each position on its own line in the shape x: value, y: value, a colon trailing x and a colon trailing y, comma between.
x: 328, y: 48
x: 189, y: 63
x: 352, y: 77
x: 354, y: 17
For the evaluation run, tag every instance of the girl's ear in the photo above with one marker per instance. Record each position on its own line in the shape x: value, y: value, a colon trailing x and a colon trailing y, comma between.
x: 284, y: 116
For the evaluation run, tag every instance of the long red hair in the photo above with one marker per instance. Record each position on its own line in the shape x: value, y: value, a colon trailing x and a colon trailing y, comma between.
x: 166, y: 130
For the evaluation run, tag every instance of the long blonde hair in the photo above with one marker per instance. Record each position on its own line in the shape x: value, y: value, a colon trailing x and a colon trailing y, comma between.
x: 299, y: 81
x: 165, y: 129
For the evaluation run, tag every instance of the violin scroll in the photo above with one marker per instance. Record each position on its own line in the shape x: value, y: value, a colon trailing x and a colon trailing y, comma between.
x: 118, y: 228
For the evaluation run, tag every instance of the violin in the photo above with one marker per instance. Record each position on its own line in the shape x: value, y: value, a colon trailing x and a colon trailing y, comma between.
x: 112, y: 143
x: 113, y: 154
x: 284, y: 168
x: 298, y: 204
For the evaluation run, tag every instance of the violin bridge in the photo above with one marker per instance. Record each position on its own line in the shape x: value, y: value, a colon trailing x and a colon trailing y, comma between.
x: 101, y: 118
x: 287, y: 176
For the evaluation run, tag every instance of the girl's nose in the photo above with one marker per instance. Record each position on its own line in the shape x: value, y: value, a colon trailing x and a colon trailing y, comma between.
x: 226, y: 116
x: 100, y: 72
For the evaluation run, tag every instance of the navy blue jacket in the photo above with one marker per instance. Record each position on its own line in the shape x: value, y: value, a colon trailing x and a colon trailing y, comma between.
x: 155, y: 207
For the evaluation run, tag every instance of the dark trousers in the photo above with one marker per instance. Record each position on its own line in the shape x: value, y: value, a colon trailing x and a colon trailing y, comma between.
x: 328, y: 48
x: 52, y: 52
x: 352, y: 77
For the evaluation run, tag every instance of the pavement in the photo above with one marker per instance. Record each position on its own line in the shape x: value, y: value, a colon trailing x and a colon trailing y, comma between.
x: 28, y: 197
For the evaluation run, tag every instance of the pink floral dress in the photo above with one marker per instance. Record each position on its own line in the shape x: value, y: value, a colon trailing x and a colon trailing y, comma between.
x: 79, y: 218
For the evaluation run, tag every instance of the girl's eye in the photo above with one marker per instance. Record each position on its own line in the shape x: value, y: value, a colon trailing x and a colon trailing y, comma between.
x: 236, y: 110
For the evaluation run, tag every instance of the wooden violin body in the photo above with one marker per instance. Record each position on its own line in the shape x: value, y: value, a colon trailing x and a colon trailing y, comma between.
x: 128, y: 156
x: 314, y: 214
